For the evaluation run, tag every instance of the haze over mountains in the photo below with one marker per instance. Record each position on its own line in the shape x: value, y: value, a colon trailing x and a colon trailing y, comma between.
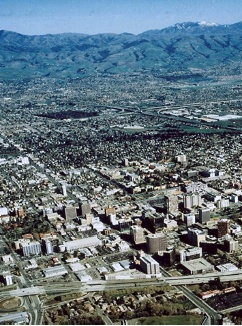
x: 181, y: 47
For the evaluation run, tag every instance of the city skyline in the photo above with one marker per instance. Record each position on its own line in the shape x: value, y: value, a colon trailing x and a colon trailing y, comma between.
x: 107, y: 16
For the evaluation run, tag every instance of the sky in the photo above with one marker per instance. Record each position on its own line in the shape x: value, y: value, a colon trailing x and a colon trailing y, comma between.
x: 36, y: 17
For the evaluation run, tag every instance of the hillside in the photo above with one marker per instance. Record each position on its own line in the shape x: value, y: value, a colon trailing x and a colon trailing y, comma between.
x: 177, y: 48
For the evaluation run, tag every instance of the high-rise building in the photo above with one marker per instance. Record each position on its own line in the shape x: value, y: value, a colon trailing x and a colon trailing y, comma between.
x: 189, y: 219
x: 90, y: 218
x: 172, y: 204
x: 181, y: 158
x: 234, y: 198
x: 137, y: 234
x: 30, y: 248
x: 70, y: 212
x: 192, y: 199
x: 223, y: 227
x: 156, y: 242
x: 204, y: 215
x: 20, y: 212
x: 209, y: 247
x: 64, y: 192
x: 224, y: 202
x: 231, y: 245
x: 85, y: 208
x: 48, y: 247
x: 190, y: 254
x: 7, y: 278
x: 110, y: 210
x: 126, y: 162
x: 169, y: 257
x: 195, y: 236
x: 149, y: 265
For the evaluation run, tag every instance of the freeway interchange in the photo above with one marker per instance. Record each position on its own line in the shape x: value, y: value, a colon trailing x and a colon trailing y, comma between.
x: 102, y: 285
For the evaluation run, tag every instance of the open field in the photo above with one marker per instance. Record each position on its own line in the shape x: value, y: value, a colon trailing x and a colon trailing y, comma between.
x: 168, y: 320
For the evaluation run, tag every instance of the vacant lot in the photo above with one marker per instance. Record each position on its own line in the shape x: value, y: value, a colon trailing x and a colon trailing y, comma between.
x: 168, y: 320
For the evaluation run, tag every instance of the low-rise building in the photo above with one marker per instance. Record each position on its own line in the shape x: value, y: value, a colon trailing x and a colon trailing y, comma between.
x: 55, y: 271
x: 82, y: 243
x: 197, y: 266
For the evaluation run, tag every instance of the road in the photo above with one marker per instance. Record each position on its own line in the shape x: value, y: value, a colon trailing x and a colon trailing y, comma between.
x: 32, y: 303
x: 35, y: 309
x: 213, y: 316
x: 225, y: 311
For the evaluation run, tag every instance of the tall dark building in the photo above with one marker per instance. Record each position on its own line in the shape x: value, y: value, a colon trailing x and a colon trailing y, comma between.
x: 223, y: 227
x: 169, y: 257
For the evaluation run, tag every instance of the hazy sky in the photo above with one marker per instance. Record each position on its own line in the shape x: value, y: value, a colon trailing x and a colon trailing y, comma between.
x: 111, y: 16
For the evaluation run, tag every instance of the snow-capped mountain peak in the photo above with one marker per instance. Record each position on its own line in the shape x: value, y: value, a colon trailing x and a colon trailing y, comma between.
x: 203, y: 23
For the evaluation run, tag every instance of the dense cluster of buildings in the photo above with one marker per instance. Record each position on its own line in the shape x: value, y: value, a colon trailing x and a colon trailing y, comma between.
x: 174, y: 223
x: 116, y: 193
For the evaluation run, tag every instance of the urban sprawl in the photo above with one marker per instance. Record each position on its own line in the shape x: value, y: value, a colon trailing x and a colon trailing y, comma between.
x: 120, y: 198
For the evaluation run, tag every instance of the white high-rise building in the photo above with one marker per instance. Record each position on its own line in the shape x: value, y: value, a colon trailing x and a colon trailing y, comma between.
x: 64, y: 192
x: 31, y: 248
x: 7, y: 277
x: 181, y: 158
x: 48, y: 247
x: 192, y: 199
x: 149, y: 265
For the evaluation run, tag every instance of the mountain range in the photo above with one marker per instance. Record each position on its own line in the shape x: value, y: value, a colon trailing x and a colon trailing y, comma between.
x: 181, y: 47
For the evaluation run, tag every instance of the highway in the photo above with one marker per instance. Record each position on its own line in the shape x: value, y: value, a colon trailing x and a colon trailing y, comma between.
x: 212, y: 315
x: 100, y: 285
x: 31, y: 293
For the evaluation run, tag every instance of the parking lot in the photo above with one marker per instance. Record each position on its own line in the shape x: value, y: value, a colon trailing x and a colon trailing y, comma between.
x: 225, y: 301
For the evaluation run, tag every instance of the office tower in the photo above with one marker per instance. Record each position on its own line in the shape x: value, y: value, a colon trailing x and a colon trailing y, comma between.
x: 85, y: 208
x: 204, y: 215
x: 234, y: 198
x: 190, y: 254
x: 20, y: 212
x: 192, y: 199
x: 181, y: 158
x: 209, y: 247
x: 48, y: 247
x: 31, y: 248
x: 126, y: 162
x: 171, y: 202
x: 156, y: 242
x: 224, y: 202
x: 70, y: 212
x: 90, y: 218
x: 137, y: 234
x: 110, y: 210
x: 223, y: 227
x: 189, y: 219
x: 169, y: 257
x: 231, y: 245
x: 195, y: 236
x: 64, y: 192
x: 7, y: 278
x: 149, y: 265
